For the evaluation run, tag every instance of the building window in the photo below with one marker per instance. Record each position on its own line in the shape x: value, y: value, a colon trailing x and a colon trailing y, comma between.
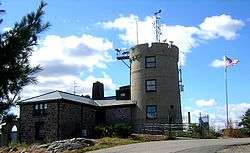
x: 151, y: 85
x: 150, y: 62
x: 122, y: 94
x: 45, y: 106
x: 40, y: 109
x: 151, y: 111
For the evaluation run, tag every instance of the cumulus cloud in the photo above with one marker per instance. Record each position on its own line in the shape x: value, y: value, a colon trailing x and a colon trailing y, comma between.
x: 86, y: 50
x: 217, y: 63
x: 205, y: 103
x: 65, y: 59
x: 66, y: 83
x: 220, y: 26
x: 185, y: 37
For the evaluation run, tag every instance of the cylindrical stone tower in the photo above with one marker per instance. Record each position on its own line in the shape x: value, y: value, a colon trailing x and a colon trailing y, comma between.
x: 155, y: 83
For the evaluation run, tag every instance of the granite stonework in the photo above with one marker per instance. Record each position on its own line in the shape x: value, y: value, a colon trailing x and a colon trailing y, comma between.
x: 118, y: 114
x: 28, y: 121
x: 62, y: 120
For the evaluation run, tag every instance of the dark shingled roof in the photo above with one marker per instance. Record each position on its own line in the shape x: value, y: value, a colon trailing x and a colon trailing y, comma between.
x: 60, y: 95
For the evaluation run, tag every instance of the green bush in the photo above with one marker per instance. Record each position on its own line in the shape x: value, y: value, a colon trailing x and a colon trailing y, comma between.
x: 122, y: 130
x: 244, y: 132
x: 99, y: 131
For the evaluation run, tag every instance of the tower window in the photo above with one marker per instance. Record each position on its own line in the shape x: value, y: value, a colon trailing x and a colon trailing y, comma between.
x: 151, y: 85
x: 151, y: 111
x: 150, y: 62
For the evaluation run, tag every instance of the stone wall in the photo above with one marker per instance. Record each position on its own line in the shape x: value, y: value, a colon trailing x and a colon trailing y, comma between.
x: 69, y: 120
x: 66, y: 119
x: 88, y: 120
x: 28, y: 121
x: 166, y: 97
x: 118, y: 114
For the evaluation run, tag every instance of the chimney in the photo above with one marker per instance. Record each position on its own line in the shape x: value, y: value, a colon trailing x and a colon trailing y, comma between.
x: 98, y: 91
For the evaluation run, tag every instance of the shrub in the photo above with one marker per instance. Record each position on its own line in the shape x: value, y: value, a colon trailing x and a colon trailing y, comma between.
x: 99, y: 131
x: 232, y: 133
x: 244, y: 132
x: 122, y: 130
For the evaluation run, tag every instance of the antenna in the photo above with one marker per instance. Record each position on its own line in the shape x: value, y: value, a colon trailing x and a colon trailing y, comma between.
x: 137, y: 41
x: 157, y: 25
x: 74, y: 86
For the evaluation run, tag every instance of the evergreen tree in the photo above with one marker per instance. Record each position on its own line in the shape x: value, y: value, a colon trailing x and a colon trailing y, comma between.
x: 16, y: 46
x: 1, y: 12
x: 245, y: 122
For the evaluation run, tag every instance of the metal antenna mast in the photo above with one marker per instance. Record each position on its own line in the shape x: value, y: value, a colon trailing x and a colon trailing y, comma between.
x: 157, y: 25
x: 74, y: 86
x: 123, y: 54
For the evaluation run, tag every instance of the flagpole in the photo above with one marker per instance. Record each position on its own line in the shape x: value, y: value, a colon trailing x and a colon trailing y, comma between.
x: 226, y: 94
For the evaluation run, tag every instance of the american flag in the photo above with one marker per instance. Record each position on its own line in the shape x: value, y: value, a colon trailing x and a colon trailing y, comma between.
x: 230, y: 61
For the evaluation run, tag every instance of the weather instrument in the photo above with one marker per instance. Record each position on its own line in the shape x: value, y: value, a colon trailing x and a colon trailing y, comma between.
x: 157, y: 25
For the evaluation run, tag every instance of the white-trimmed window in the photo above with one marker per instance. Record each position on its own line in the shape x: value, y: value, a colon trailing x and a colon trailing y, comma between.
x: 151, y: 85
x: 150, y: 62
x: 36, y: 106
x: 151, y: 111
x: 45, y: 106
x: 40, y: 109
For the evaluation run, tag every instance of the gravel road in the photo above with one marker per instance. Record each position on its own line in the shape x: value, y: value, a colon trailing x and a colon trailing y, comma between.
x: 179, y: 146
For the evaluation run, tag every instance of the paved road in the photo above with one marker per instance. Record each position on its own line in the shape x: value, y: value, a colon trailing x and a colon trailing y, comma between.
x: 179, y: 146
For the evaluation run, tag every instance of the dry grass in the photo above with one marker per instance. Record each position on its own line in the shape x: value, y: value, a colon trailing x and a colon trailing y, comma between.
x: 22, y: 148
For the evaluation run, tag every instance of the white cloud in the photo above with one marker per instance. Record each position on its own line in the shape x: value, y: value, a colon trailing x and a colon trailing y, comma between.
x: 66, y: 83
x: 66, y: 59
x: 86, y: 50
x: 205, y: 103
x: 221, y: 26
x: 217, y: 63
x: 185, y: 37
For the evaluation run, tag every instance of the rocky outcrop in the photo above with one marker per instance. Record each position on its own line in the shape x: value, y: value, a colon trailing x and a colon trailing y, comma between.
x: 69, y: 144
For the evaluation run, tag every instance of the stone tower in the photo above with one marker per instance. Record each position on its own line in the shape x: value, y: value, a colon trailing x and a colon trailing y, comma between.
x: 155, y: 83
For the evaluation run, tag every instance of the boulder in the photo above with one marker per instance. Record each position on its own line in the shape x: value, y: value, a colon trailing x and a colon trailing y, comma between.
x: 69, y: 144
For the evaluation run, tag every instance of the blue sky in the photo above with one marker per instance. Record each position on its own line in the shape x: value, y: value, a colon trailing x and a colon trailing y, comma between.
x: 79, y: 46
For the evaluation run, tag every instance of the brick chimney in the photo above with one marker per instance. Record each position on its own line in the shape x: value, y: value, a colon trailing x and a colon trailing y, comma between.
x: 98, y: 91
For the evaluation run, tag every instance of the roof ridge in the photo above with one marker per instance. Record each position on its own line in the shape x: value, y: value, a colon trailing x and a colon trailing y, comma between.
x: 70, y: 93
x: 59, y: 92
x: 39, y: 95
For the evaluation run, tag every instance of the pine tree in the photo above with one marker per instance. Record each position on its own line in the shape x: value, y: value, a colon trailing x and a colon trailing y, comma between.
x: 245, y: 122
x: 16, y: 46
x: 1, y: 12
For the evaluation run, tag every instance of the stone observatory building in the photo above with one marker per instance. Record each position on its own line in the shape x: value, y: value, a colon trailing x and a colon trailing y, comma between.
x: 155, y: 84
x: 152, y: 98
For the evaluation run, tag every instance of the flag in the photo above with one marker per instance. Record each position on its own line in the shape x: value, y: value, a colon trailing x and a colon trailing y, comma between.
x: 230, y: 61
